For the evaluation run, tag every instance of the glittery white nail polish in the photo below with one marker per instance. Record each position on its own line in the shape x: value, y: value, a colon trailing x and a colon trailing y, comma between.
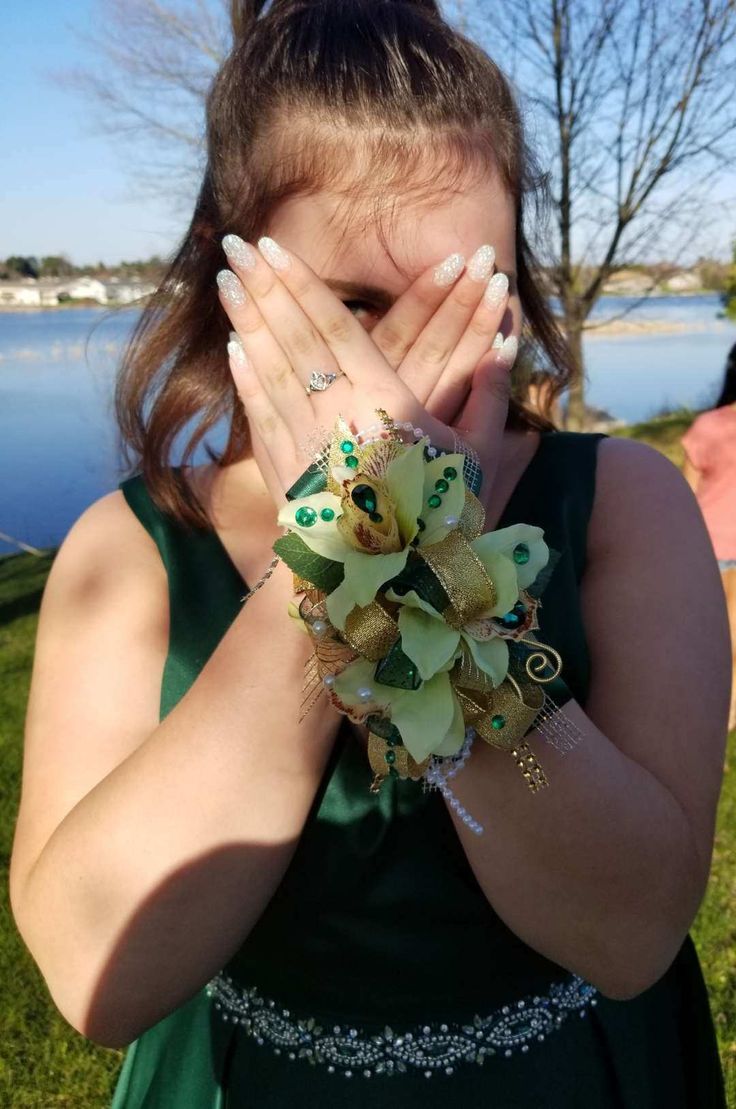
x: 236, y: 353
x: 497, y: 342
x: 239, y: 252
x: 508, y: 351
x: 496, y: 290
x: 447, y: 272
x: 230, y: 287
x: 274, y: 254
x: 480, y: 266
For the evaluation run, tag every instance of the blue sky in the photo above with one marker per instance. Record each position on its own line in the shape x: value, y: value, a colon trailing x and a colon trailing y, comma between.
x: 64, y: 188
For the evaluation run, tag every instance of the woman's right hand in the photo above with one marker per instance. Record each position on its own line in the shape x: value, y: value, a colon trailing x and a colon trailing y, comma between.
x: 288, y: 323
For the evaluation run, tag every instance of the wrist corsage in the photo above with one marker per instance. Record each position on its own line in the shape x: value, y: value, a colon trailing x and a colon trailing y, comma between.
x: 422, y: 624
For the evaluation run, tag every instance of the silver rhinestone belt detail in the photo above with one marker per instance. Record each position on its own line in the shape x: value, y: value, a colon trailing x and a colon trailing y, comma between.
x: 350, y: 1051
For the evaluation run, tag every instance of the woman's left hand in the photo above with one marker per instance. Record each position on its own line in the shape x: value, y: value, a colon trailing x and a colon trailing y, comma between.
x: 290, y: 323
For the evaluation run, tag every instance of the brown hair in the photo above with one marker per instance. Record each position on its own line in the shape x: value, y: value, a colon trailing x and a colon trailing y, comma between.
x: 388, y: 79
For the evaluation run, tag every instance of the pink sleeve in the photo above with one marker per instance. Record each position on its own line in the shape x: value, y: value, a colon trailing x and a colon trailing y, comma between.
x: 696, y: 443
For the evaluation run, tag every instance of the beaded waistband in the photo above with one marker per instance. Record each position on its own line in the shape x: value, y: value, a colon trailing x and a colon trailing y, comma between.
x: 348, y: 1050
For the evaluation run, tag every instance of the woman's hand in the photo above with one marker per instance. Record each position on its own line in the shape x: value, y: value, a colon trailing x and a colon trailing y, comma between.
x: 290, y: 324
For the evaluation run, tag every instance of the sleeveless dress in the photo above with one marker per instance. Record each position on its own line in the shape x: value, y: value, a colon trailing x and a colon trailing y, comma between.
x: 378, y: 974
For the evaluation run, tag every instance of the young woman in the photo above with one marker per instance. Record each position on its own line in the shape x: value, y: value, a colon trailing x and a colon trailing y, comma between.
x: 202, y: 878
x: 710, y: 470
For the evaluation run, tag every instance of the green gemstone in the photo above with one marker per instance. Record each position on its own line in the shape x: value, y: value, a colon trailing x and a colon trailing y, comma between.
x: 376, y: 518
x: 421, y: 524
x: 347, y: 447
x: 498, y: 721
x: 305, y: 516
x: 390, y: 756
x: 450, y: 473
x: 327, y: 514
x: 434, y: 501
x: 441, y: 485
x: 521, y: 554
x: 352, y: 462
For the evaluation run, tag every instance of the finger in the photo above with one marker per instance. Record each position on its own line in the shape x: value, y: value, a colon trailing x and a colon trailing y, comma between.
x: 350, y: 344
x: 397, y: 331
x: 431, y: 353
x: 276, y: 460
x: 301, y: 342
x: 484, y: 413
x: 490, y: 317
x: 267, y: 357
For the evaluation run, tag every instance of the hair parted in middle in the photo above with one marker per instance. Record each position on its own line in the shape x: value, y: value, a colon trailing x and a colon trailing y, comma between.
x: 376, y: 101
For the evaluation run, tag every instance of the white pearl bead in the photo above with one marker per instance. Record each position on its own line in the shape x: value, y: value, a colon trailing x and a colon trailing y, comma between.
x: 419, y: 433
x: 432, y: 452
x: 365, y: 694
x: 319, y: 627
x: 451, y: 521
x: 328, y: 681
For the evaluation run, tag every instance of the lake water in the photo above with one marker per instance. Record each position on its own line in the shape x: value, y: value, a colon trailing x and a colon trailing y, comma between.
x: 58, y: 441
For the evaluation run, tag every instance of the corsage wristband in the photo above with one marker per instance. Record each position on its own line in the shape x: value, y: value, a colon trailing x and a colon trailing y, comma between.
x: 422, y: 624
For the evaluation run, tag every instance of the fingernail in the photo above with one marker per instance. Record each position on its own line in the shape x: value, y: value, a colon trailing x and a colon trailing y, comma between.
x: 236, y: 353
x: 239, y: 252
x: 274, y: 254
x: 480, y: 266
x: 447, y: 272
x: 507, y: 348
x: 231, y: 288
x: 496, y: 290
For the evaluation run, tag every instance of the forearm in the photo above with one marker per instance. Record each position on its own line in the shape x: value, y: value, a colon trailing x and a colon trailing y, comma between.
x: 156, y: 877
x: 597, y: 871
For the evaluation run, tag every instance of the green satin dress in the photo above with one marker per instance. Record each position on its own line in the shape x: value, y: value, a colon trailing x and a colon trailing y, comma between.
x: 379, y: 975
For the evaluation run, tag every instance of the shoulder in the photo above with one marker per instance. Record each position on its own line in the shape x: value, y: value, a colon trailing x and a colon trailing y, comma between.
x: 108, y: 541
x: 638, y: 490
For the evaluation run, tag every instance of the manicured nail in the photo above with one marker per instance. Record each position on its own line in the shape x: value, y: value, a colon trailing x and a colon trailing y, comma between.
x: 507, y: 348
x: 447, y: 272
x: 236, y: 353
x: 496, y: 290
x: 239, y: 252
x: 274, y: 254
x: 480, y: 266
x: 230, y: 287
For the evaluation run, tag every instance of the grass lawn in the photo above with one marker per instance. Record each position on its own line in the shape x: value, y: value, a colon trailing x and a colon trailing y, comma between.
x: 45, y: 1064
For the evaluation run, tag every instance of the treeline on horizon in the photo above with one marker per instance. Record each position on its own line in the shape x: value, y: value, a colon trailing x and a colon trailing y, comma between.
x: 713, y: 274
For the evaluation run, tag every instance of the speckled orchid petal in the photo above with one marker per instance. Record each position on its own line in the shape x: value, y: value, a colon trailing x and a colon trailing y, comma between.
x: 364, y: 575
x: 502, y: 572
x: 360, y: 676
x: 504, y: 540
x: 322, y: 536
x: 453, y: 499
x: 423, y: 716
x: 455, y: 737
x: 405, y: 483
x: 427, y: 640
x: 491, y: 656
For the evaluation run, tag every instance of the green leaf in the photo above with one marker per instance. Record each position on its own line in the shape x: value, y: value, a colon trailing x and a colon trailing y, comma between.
x: 321, y: 572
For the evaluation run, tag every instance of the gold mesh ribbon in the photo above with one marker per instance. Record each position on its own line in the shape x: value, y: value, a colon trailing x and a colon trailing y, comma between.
x: 402, y: 762
x: 463, y: 576
x: 371, y: 631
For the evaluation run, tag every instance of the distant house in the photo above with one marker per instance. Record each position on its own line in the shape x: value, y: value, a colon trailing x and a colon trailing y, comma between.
x: 628, y: 283
x: 85, y: 288
x: 683, y: 282
x: 119, y: 291
x: 23, y: 293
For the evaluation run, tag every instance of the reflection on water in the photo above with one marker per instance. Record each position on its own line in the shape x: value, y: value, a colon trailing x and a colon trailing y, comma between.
x: 58, y: 441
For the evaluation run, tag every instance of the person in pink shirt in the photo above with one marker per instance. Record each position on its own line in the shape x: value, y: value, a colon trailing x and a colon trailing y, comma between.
x: 710, y: 469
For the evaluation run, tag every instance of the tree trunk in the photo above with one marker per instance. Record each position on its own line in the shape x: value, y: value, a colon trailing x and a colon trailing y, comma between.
x: 575, y: 418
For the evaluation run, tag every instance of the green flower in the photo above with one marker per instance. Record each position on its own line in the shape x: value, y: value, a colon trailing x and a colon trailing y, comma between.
x: 409, y: 483
x: 432, y: 644
x: 430, y: 718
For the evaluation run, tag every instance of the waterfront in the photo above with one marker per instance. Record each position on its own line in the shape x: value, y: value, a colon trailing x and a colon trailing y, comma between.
x: 58, y: 446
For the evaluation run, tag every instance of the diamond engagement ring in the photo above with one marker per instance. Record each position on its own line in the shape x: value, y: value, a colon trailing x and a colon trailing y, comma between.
x: 319, y: 381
